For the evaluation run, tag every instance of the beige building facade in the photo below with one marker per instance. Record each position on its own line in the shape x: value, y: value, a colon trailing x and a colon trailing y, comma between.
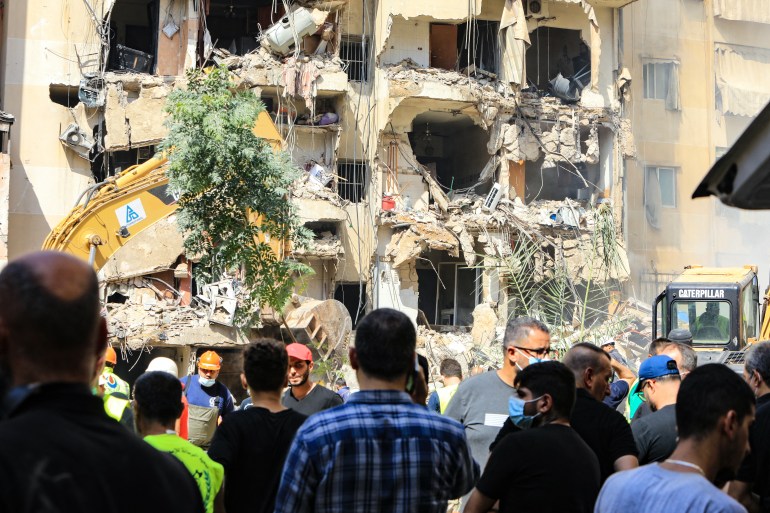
x: 699, y: 78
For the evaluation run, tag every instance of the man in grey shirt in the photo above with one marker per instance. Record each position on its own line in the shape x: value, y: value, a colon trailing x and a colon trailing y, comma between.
x: 481, y: 402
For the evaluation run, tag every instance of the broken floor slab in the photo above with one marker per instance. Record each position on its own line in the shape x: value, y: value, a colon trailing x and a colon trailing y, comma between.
x: 134, y: 111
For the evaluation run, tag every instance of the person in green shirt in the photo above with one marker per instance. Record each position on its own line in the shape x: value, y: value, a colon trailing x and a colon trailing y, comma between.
x: 157, y: 405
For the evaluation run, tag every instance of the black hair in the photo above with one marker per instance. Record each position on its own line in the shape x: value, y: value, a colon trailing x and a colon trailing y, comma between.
x: 451, y: 368
x: 658, y: 344
x: 53, y: 332
x: 552, y: 378
x: 520, y: 328
x: 341, y: 382
x: 583, y: 355
x: 265, y: 364
x: 158, y: 397
x: 708, y: 393
x: 385, y: 343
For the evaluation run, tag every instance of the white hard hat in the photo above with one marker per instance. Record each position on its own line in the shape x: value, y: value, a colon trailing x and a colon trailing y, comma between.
x: 163, y: 364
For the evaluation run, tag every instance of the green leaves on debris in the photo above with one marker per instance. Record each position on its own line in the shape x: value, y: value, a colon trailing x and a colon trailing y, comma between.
x: 226, y: 178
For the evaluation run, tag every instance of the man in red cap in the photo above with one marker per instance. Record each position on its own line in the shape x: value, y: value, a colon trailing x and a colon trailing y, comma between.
x: 303, y: 395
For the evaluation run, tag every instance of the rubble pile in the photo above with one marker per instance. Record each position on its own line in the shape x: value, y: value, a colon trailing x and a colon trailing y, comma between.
x: 326, y: 245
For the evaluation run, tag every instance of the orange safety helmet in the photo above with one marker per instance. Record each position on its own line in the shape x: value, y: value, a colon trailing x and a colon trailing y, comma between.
x: 210, y: 361
x: 112, y: 356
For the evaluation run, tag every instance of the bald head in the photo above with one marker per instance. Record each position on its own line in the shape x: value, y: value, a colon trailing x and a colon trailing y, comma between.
x: 49, y: 318
x: 591, y: 367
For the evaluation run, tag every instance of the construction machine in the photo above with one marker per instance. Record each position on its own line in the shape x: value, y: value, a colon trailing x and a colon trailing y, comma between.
x: 720, y: 306
x: 109, y: 215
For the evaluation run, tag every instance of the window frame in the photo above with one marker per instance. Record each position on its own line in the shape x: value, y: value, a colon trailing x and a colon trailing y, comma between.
x: 650, y: 70
x: 657, y: 169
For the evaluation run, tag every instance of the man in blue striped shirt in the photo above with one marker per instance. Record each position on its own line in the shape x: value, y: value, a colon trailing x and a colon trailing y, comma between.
x: 379, y: 452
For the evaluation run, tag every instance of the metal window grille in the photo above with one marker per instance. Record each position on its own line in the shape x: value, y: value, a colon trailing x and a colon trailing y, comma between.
x: 352, y: 176
x: 353, y: 52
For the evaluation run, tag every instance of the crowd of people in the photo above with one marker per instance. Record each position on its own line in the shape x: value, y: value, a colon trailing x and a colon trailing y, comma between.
x: 582, y: 434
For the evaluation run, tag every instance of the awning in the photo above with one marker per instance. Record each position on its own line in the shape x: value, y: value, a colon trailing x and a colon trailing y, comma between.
x: 742, y: 10
x: 741, y: 77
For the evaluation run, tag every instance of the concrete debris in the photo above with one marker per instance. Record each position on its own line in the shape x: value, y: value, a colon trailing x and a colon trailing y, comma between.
x: 626, y: 137
x: 406, y: 245
x: 302, y: 189
x: 484, y: 325
x: 134, y: 112
x: 325, y: 246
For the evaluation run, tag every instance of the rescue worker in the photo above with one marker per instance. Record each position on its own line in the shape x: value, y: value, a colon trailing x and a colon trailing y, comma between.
x: 115, y: 404
x: 158, y: 404
x: 113, y: 384
x: 167, y: 365
x: 208, y: 400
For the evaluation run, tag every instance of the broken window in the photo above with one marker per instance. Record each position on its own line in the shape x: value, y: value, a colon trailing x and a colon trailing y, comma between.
x: 133, y: 35
x: 478, y: 46
x: 353, y: 52
x: 119, y: 161
x: 443, y: 46
x: 351, y: 176
x: 458, y: 293
x: 353, y: 296
x: 235, y: 24
x: 558, y: 62
x: 661, y: 180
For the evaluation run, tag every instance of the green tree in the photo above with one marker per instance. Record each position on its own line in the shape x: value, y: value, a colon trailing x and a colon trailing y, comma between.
x: 226, y: 177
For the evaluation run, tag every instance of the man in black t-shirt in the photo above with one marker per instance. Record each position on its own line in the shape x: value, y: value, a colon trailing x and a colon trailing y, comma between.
x: 525, y: 466
x: 603, y: 429
x: 303, y: 395
x: 655, y: 434
x: 252, y: 444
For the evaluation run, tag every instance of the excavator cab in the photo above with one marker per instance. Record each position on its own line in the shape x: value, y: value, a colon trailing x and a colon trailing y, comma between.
x: 719, y: 306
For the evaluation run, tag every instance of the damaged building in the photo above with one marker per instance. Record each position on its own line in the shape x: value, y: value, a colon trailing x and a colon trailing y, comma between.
x: 463, y: 160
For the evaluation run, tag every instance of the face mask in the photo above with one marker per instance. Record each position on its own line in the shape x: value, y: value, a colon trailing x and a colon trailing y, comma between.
x: 516, y: 412
x: 532, y: 360
x: 206, y: 382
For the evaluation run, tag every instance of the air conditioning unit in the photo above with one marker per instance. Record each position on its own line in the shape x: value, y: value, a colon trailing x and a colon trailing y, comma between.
x: 537, y: 8
x: 302, y: 22
x: 77, y: 140
x: 493, y: 198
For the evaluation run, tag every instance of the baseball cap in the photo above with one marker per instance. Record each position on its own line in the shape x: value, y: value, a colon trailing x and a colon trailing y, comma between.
x: 299, y: 351
x: 681, y: 336
x: 607, y: 342
x: 657, y: 367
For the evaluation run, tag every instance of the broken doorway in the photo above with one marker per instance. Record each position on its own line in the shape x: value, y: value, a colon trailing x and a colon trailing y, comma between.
x: 134, y: 35
x: 452, y: 148
x: 556, y: 52
x: 353, y: 296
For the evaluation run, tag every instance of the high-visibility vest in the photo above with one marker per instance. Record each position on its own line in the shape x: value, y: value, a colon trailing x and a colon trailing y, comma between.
x: 115, y: 406
x: 445, y: 395
x: 113, y: 384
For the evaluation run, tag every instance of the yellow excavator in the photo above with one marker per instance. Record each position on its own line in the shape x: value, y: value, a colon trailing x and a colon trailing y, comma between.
x: 108, y: 215
x: 720, y: 306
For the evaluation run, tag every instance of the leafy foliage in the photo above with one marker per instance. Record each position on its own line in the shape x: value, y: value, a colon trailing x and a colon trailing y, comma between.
x: 226, y: 178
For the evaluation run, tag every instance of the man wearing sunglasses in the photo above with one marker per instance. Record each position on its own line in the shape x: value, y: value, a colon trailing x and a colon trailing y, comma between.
x: 481, y: 402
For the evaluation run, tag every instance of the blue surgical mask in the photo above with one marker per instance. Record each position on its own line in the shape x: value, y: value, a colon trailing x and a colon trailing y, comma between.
x: 532, y: 360
x: 516, y: 412
x: 206, y: 382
